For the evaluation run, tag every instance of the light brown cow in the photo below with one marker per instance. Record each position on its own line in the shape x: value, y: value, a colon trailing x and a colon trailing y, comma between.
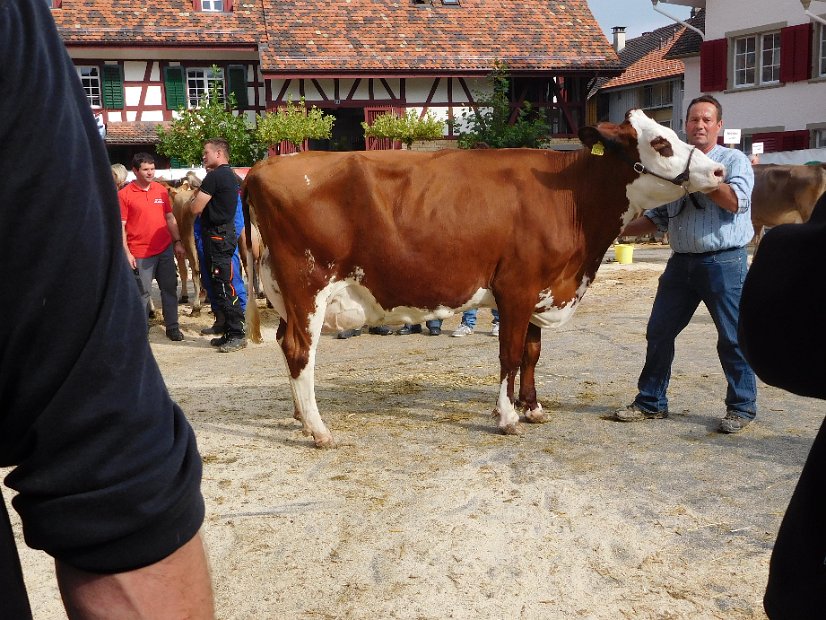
x: 784, y: 194
x: 380, y: 237
x: 181, y: 197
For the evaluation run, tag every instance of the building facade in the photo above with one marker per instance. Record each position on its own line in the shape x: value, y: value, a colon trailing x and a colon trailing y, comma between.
x: 141, y: 64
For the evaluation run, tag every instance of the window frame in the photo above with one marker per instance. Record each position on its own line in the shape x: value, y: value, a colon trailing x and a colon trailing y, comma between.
x: 820, y: 56
x: 212, y: 3
x: 189, y: 77
x: 666, y: 95
x: 98, y: 77
x: 740, y: 73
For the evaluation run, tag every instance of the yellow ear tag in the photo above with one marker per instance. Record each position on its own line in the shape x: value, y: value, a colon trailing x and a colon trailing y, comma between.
x: 598, y: 149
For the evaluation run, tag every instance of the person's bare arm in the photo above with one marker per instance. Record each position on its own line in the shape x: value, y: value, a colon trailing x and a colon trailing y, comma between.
x: 131, y: 259
x: 640, y: 226
x: 174, y: 588
x: 199, y: 202
x: 725, y: 197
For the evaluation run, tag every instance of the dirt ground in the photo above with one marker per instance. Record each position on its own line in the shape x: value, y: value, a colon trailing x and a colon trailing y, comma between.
x: 425, y: 511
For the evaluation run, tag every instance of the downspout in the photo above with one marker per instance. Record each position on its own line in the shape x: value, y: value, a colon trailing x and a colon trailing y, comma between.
x: 806, y: 10
x: 681, y: 22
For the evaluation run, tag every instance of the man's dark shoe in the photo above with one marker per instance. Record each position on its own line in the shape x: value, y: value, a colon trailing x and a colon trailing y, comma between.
x: 435, y: 331
x: 213, y: 331
x: 219, y: 341
x: 404, y: 331
x: 348, y: 333
x: 381, y: 330
x: 232, y: 345
x: 174, y: 334
x: 733, y: 423
x: 633, y: 413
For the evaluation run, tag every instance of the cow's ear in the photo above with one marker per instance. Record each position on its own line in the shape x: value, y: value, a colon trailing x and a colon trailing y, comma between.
x: 604, y: 132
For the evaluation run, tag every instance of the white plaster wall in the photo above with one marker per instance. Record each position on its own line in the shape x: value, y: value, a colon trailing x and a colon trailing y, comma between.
x: 152, y: 115
x: 133, y: 71
x: 791, y: 106
x: 154, y: 95
x: 132, y: 95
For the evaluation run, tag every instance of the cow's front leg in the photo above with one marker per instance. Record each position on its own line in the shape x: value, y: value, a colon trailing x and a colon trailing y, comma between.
x: 299, y: 354
x: 511, y: 346
x: 527, y: 371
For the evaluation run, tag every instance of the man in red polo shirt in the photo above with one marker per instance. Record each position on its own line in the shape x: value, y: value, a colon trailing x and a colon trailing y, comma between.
x: 151, y: 238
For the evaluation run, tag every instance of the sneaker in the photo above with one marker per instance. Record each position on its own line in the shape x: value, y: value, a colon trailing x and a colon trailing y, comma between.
x: 381, y: 330
x: 212, y: 331
x: 174, y: 334
x: 435, y: 331
x: 733, y: 423
x: 494, y: 331
x: 232, y: 345
x: 633, y: 413
x: 348, y: 333
x: 219, y: 341
x: 463, y: 330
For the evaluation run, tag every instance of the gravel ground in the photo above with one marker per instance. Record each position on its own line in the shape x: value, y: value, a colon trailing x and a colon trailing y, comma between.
x: 425, y: 511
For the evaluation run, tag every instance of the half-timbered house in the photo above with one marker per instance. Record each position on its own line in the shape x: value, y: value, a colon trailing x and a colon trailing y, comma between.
x: 141, y: 63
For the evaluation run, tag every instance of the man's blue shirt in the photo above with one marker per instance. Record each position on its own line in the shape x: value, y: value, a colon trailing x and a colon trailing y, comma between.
x: 692, y: 230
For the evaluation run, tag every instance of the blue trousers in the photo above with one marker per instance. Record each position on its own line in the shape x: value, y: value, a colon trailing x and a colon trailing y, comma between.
x: 716, y: 279
x: 469, y: 317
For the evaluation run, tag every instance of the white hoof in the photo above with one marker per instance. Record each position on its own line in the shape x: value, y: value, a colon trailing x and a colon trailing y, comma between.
x: 511, y: 429
x: 535, y: 416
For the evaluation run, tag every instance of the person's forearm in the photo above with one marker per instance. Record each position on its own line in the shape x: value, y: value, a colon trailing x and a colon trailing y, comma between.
x: 176, y: 587
x: 640, y: 226
x: 725, y: 197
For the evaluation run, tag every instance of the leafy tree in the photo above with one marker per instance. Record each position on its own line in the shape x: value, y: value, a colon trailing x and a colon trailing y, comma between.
x: 492, y: 126
x: 184, y: 140
x: 294, y: 123
x: 406, y: 128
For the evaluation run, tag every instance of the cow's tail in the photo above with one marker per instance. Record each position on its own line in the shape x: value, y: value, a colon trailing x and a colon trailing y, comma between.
x: 253, y: 317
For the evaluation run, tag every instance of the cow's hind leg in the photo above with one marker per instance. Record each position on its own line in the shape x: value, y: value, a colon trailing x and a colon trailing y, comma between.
x: 299, y: 344
x: 512, y: 334
x: 527, y: 384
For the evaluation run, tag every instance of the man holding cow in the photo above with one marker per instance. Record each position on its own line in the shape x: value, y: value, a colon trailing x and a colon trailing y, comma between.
x: 709, y: 234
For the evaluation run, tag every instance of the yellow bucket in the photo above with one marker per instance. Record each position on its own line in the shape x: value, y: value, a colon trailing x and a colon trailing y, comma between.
x: 624, y: 253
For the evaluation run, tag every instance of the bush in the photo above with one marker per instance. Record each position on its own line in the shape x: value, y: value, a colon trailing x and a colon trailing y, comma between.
x: 294, y: 123
x: 407, y: 128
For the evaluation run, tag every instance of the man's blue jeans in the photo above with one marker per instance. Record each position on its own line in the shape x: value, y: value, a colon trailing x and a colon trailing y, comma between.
x: 469, y: 317
x: 716, y: 279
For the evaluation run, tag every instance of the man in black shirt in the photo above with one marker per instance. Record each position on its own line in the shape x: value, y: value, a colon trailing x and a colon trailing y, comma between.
x: 105, y: 465
x: 216, y: 202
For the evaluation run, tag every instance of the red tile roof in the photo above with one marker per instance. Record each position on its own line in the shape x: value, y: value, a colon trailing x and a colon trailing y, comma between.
x: 379, y: 35
x: 170, y: 22
x: 653, y: 65
x: 133, y: 132
x: 358, y: 36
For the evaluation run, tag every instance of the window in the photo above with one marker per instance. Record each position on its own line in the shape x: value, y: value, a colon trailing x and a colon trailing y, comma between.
x: 819, y: 138
x: 90, y: 78
x: 657, y: 95
x: 200, y: 81
x: 757, y: 59
x: 821, y: 62
x: 212, y: 6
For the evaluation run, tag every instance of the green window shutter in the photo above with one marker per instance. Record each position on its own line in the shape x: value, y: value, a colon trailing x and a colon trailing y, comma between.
x: 112, y: 87
x: 176, y: 163
x: 174, y: 87
x: 238, y: 85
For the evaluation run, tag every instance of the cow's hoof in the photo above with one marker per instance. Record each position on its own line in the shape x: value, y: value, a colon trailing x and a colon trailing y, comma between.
x: 184, y: 299
x: 511, y: 429
x: 297, y: 416
x: 495, y: 413
x: 195, y: 312
x: 535, y: 416
x: 324, y: 442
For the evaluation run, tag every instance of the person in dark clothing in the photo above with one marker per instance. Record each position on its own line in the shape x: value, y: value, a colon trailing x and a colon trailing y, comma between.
x: 783, y: 335
x: 215, y: 203
x: 104, y: 464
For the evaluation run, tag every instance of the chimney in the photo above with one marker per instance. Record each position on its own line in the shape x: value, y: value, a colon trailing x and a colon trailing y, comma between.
x: 619, y: 38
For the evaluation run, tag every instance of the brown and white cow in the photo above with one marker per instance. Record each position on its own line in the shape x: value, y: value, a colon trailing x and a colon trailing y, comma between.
x: 381, y: 237
x: 784, y: 194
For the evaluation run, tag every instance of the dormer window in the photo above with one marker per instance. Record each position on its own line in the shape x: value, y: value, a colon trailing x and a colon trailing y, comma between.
x: 213, y: 6
x: 451, y: 2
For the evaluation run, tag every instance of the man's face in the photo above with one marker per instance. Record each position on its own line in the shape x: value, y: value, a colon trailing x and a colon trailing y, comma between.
x: 210, y: 157
x: 702, y: 126
x: 145, y: 173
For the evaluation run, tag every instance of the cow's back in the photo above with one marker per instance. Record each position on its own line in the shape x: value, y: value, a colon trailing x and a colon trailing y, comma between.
x: 785, y: 194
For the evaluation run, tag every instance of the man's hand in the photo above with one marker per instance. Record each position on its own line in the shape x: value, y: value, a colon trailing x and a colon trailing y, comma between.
x: 178, y: 248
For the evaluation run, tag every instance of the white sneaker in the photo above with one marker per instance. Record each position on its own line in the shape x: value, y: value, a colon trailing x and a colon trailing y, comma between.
x: 494, y: 331
x: 463, y: 330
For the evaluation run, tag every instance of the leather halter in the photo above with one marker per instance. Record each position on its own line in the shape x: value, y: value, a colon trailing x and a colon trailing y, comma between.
x: 681, y: 179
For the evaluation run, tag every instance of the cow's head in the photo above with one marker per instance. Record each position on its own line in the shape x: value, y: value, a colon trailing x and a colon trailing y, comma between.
x: 666, y: 167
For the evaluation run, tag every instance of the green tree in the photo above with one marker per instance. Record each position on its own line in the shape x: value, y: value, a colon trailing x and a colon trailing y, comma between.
x: 294, y: 123
x: 492, y: 125
x: 407, y: 128
x: 184, y: 140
